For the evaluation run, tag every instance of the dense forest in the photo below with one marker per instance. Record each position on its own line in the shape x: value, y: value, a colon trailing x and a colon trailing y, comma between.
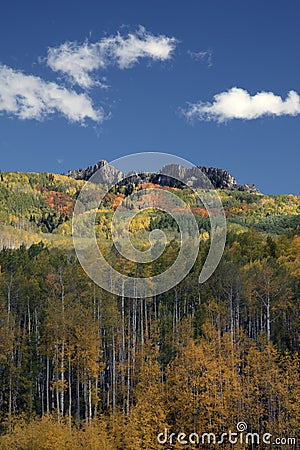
x: 82, y: 368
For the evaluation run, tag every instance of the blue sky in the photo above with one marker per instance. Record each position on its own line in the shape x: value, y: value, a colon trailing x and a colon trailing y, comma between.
x: 160, y: 85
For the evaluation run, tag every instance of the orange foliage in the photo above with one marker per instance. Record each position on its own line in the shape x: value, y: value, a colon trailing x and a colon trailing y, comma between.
x: 149, y: 186
x: 157, y: 186
x: 200, y: 212
x: 60, y: 202
x: 117, y: 200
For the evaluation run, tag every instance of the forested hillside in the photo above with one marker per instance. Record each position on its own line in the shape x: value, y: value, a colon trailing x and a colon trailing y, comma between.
x: 82, y: 368
x: 35, y: 207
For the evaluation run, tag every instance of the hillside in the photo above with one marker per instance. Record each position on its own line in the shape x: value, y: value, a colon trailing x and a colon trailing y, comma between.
x: 39, y: 206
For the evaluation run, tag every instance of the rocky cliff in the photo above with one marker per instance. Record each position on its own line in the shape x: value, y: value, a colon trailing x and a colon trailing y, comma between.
x: 108, y: 174
x: 220, y: 178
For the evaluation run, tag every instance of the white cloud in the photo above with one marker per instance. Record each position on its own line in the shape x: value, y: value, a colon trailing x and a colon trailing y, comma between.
x: 127, y: 51
x: 30, y: 97
x: 204, y: 56
x: 80, y: 61
x: 77, y: 61
x: 237, y: 103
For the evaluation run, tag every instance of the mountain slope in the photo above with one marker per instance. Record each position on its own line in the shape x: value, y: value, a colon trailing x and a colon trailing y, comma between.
x: 39, y: 206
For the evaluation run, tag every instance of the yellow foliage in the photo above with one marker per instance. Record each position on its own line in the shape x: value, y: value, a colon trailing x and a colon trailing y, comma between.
x: 49, y: 434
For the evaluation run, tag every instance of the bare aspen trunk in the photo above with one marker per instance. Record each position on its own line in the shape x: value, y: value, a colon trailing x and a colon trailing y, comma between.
x: 268, y: 318
x: 123, y: 349
x: 96, y: 391
x: 90, y: 399
x: 78, y: 399
x: 146, y: 321
x: 141, y: 321
x: 175, y: 317
x: 62, y: 364
x: 134, y: 331
x: 47, y: 384
x: 128, y: 368
x: 231, y: 313
x: 113, y: 373
x: 70, y: 393
x: 62, y: 379
x: 57, y: 396
x: 41, y: 393
x: 10, y: 402
x: 85, y: 394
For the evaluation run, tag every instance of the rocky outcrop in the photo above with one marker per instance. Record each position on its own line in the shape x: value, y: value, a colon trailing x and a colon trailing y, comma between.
x: 168, y: 176
x: 108, y: 174
x: 85, y: 174
x: 220, y: 178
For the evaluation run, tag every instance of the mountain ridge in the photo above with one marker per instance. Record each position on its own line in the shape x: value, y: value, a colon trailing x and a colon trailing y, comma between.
x: 220, y: 178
